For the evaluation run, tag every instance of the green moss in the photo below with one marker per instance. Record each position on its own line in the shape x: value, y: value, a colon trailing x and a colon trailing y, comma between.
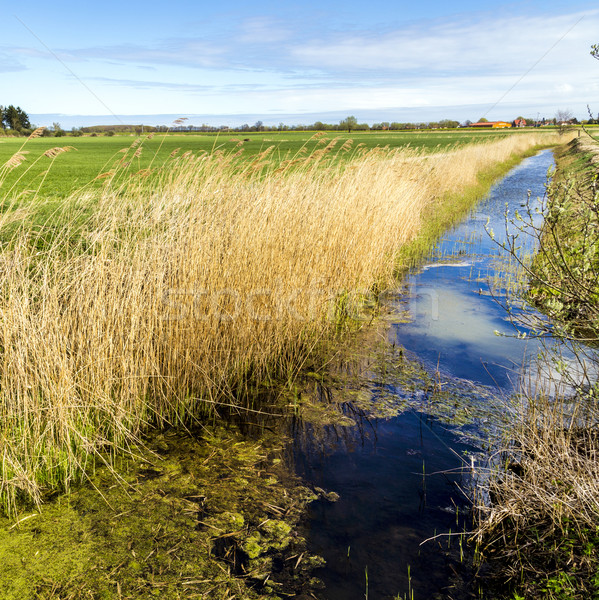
x: 253, y: 546
x: 173, y: 526
x: 277, y: 534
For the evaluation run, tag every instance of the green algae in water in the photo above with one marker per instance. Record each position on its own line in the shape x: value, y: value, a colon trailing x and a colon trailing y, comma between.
x: 375, y: 379
x: 190, y: 518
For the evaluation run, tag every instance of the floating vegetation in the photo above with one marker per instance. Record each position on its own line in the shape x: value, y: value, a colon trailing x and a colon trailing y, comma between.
x: 209, y: 516
x: 375, y: 379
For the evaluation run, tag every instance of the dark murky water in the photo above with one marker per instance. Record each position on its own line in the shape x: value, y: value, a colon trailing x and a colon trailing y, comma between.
x: 400, y: 479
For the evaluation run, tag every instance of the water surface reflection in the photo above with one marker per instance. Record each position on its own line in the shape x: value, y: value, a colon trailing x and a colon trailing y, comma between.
x: 400, y: 476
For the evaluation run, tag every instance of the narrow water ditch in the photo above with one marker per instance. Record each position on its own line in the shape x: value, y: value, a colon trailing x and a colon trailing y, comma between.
x: 403, y: 473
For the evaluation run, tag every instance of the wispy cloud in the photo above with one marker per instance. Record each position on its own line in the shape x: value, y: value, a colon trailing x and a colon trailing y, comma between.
x: 266, y: 63
x: 181, y: 87
x: 190, y: 52
x: 264, y: 31
x: 468, y: 44
x: 464, y: 46
x: 9, y: 63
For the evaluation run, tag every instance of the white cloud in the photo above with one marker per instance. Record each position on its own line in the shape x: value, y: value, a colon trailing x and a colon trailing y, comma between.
x: 492, y: 45
x: 9, y: 63
x: 564, y: 88
x: 263, y: 62
x: 263, y: 30
x: 190, y: 52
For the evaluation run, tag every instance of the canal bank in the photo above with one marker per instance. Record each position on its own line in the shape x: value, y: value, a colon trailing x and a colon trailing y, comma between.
x: 539, y: 537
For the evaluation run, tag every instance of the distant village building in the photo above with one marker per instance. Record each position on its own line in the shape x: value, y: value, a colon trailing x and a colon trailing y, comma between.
x: 520, y: 123
x: 492, y: 124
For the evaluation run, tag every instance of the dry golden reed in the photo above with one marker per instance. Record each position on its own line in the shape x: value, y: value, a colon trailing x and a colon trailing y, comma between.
x: 36, y: 133
x: 16, y: 159
x: 185, y: 288
x: 54, y: 152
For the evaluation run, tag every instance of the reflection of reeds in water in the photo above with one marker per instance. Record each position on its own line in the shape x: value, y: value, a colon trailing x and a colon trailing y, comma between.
x: 170, y: 293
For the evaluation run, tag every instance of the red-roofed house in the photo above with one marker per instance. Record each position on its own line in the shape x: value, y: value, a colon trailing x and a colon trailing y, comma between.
x: 492, y: 124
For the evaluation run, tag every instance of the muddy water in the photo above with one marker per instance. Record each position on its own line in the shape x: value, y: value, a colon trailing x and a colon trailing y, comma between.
x: 403, y: 478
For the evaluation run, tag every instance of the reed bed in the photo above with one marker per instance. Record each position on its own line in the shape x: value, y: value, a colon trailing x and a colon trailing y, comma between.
x: 172, y: 293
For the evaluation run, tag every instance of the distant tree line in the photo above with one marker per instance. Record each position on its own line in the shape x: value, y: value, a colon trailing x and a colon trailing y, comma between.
x: 13, y: 117
x: 15, y: 121
x: 348, y: 124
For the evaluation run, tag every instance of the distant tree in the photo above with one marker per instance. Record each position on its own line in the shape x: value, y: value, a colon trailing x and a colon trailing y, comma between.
x: 467, y: 122
x: 563, y: 115
x: 259, y: 126
x: 15, y: 118
x: 23, y: 118
x: 348, y: 123
x: 483, y: 120
x: 76, y: 132
x: 448, y: 123
x: 319, y: 126
x: 58, y: 131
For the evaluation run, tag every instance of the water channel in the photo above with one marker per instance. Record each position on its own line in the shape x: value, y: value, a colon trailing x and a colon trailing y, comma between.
x: 403, y: 477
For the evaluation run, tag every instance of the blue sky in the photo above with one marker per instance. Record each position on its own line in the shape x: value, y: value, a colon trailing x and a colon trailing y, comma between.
x: 231, y: 61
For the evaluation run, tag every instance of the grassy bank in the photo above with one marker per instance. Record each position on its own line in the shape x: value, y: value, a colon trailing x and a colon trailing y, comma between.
x: 565, y: 284
x: 540, y: 534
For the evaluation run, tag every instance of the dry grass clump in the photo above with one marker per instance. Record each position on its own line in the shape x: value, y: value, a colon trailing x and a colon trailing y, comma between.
x: 540, y: 534
x: 170, y: 294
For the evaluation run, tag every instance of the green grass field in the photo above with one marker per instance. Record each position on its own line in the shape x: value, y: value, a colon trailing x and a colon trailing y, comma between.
x: 49, y: 178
